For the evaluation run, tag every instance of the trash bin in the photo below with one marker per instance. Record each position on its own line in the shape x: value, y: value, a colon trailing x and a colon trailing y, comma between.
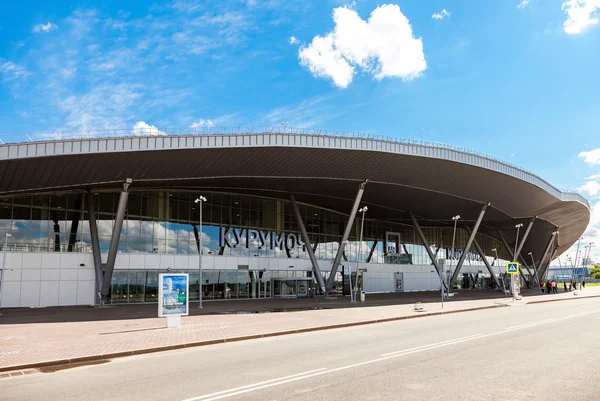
x: 362, y: 296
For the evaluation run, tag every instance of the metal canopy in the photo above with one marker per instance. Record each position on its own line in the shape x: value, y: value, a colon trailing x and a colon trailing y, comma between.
x: 433, y: 183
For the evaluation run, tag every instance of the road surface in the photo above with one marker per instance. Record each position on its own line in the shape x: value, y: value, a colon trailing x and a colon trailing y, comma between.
x: 533, y: 352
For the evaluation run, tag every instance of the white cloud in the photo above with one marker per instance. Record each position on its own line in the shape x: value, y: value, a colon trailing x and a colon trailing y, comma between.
x: 591, y: 157
x: 44, y: 27
x: 523, y: 4
x: 383, y: 46
x: 141, y: 128
x: 581, y: 15
x: 11, y: 71
x: 202, y: 123
x: 591, y: 187
x: 293, y: 40
x: 442, y: 14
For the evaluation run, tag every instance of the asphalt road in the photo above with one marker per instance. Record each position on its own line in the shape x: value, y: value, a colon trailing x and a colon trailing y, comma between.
x: 534, y: 352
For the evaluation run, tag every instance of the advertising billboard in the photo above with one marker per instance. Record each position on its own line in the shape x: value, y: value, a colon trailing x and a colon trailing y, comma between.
x: 173, y: 294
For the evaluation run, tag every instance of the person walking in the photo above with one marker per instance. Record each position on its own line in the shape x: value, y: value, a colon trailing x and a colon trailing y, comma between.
x: 565, y: 284
x: 583, y: 284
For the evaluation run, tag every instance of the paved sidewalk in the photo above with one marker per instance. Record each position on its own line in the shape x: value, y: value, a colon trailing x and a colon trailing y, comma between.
x: 29, y: 344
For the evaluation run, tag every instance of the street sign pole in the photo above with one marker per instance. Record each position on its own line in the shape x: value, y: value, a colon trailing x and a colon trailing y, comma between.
x: 512, y: 268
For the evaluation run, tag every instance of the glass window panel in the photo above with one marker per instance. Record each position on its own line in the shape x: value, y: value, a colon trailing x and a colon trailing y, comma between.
x: 151, y: 288
x: 119, y: 287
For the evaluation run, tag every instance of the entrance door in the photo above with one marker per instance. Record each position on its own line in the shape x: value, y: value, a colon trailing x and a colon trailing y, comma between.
x: 302, y: 288
x: 283, y: 288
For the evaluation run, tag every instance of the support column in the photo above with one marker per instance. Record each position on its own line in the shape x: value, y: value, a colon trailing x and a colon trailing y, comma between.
x: 485, y: 261
x: 56, y: 236
x: 349, y: 225
x: 309, y: 249
x: 428, y: 249
x: 525, y: 235
x: 542, y: 265
x: 95, y: 245
x: 75, y: 224
x: 505, y: 242
x: 463, y: 256
x: 114, y: 240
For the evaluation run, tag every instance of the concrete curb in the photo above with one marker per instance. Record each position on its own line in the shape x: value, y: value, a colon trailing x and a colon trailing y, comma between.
x: 90, y: 358
x: 575, y: 298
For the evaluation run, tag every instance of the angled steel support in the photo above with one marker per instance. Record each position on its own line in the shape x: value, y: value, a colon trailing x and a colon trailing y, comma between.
x: 371, y: 251
x: 349, y: 225
x: 75, y: 224
x: 508, y: 248
x: 542, y: 265
x: 525, y: 235
x: 309, y: 249
x: 461, y: 260
x: 547, y: 268
x: 428, y: 249
x: 485, y: 261
x: 95, y: 244
x: 114, y: 240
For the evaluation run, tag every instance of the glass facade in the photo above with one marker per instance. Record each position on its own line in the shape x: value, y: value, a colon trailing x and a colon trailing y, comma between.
x: 233, y: 225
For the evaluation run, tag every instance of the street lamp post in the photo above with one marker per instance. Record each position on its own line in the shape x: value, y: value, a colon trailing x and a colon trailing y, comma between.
x: 3, y: 268
x: 537, y: 278
x: 346, y: 245
x: 362, y: 210
x: 201, y: 199
x: 516, y: 242
x: 586, y: 259
x: 455, y: 219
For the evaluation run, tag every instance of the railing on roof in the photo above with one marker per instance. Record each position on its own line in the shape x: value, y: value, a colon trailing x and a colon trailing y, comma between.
x: 153, y: 131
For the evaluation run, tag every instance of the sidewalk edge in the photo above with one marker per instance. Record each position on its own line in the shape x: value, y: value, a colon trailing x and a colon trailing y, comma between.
x: 562, y: 299
x: 122, y: 354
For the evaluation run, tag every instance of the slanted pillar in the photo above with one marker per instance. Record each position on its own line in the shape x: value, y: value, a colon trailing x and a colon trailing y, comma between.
x: 525, y: 235
x: 349, y: 225
x: 309, y: 249
x: 462, y: 258
x: 485, y: 261
x: 114, y: 240
x: 508, y: 248
x: 95, y: 245
x: 56, y: 236
x: 75, y: 224
x: 542, y: 266
x: 428, y: 249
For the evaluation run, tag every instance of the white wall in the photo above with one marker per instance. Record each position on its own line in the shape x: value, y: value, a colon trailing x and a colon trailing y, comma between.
x: 48, y: 279
x: 58, y: 279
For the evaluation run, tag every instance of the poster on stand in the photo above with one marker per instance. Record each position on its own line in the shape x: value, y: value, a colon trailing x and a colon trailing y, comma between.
x: 173, y: 294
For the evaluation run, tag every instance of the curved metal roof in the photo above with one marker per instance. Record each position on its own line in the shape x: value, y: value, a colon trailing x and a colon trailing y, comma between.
x: 430, y: 180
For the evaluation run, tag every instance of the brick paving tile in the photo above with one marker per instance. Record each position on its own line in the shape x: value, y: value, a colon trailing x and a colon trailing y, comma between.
x: 28, y: 343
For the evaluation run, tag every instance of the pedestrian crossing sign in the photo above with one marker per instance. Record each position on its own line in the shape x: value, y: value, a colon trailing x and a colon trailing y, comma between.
x: 512, y: 268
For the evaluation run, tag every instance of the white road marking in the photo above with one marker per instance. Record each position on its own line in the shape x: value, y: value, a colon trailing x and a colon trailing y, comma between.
x: 318, y: 372
x: 434, y: 345
x: 202, y: 397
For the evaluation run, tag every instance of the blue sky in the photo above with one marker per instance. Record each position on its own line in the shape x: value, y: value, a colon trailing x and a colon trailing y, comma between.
x: 514, y: 79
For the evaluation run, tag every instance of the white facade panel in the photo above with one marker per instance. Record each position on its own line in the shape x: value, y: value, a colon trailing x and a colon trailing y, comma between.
x: 32, y: 260
x: 68, y: 274
x: 31, y: 275
x: 85, y: 292
x: 67, y: 293
x: 49, y: 293
x: 11, y: 294
x: 51, y: 261
x: 50, y: 274
x: 30, y: 294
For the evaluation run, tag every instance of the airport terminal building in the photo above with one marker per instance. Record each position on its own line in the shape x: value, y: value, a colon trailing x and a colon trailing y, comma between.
x: 275, y: 214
